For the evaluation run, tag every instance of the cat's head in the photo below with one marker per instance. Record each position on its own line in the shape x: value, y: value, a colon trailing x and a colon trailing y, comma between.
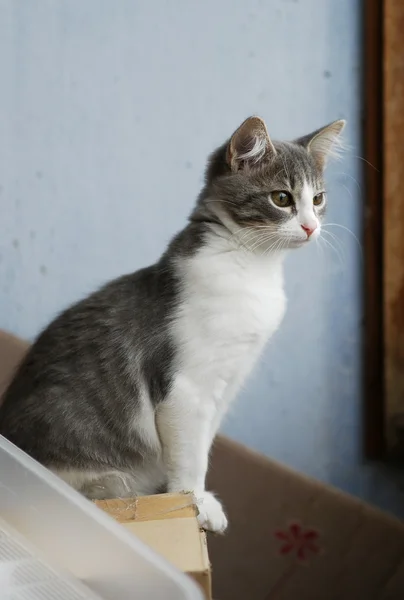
x: 270, y: 194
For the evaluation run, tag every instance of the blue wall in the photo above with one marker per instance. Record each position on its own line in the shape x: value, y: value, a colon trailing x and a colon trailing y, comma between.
x: 107, y: 112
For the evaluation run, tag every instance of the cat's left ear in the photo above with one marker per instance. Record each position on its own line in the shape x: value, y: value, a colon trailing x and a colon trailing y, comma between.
x: 324, y: 143
x: 249, y: 145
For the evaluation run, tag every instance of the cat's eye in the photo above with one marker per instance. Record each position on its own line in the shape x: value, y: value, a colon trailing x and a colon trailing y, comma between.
x: 318, y: 199
x: 281, y: 199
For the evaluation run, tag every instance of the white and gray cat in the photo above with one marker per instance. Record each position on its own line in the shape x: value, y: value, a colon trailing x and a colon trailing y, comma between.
x: 123, y: 393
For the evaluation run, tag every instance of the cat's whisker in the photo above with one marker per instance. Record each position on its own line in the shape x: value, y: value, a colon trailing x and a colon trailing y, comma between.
x: 319, y: 247
x: 250, y: 235
x: 274, y: 247
x: 366, y: 161
x: 265, y: 238
x: 284, y: 243
x: 351, y: 177
x: 341, y: 259
x: 243, y: 229
x: 243, y: 233
x: 257, y: 240
x: 262, y: 240
x: 278, y: 247
x: 323, y: 246
x: 262, y: 232
x: 330, y: 245
x: 348, y: 190
x: 355, y: 237
x: 336, y: 239
x: 268, y: 250
x: 241, y: 245
x: 252, y: 232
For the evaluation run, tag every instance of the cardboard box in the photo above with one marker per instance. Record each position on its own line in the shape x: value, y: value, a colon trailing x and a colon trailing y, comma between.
x: 12, y: 349
x: 167, y: 523
x: 289, y: 538
x: 293, y: 538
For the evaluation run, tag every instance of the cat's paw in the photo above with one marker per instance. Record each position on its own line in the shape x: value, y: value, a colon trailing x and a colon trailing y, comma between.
x: 211, y: 515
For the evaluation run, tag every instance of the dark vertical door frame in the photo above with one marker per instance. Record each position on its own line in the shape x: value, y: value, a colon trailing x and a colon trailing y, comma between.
x: 374, y: 388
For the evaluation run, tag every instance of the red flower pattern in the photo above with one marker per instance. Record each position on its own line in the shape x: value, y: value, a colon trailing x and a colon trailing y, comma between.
x: 301, y: 542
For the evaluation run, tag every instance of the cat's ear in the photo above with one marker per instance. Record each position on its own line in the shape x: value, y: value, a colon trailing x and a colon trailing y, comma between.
x: 249, y: 145
x: 324, y: 143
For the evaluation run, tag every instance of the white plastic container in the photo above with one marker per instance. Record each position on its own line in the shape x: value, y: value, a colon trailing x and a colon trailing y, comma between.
x: 56, y: 545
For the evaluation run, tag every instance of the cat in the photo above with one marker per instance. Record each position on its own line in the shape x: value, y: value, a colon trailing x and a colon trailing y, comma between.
x: 124, y: 392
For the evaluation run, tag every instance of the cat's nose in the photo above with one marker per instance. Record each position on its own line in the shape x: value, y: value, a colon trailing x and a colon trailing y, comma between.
x: 309, y: 229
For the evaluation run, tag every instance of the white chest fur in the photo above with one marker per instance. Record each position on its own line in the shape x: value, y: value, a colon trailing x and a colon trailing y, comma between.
x: 233, y: 301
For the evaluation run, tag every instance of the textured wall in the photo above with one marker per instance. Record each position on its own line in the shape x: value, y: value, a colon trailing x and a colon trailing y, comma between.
x: 107, y: 112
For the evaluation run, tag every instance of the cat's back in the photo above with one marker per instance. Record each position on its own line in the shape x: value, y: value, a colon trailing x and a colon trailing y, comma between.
x: 98, y: 337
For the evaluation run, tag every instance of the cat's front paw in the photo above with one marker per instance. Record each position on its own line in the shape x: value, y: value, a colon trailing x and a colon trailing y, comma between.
x: 211, y: 515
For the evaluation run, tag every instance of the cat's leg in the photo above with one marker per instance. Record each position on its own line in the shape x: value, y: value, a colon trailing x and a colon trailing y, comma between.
x: 223, y: 400
x: 184, y: 422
